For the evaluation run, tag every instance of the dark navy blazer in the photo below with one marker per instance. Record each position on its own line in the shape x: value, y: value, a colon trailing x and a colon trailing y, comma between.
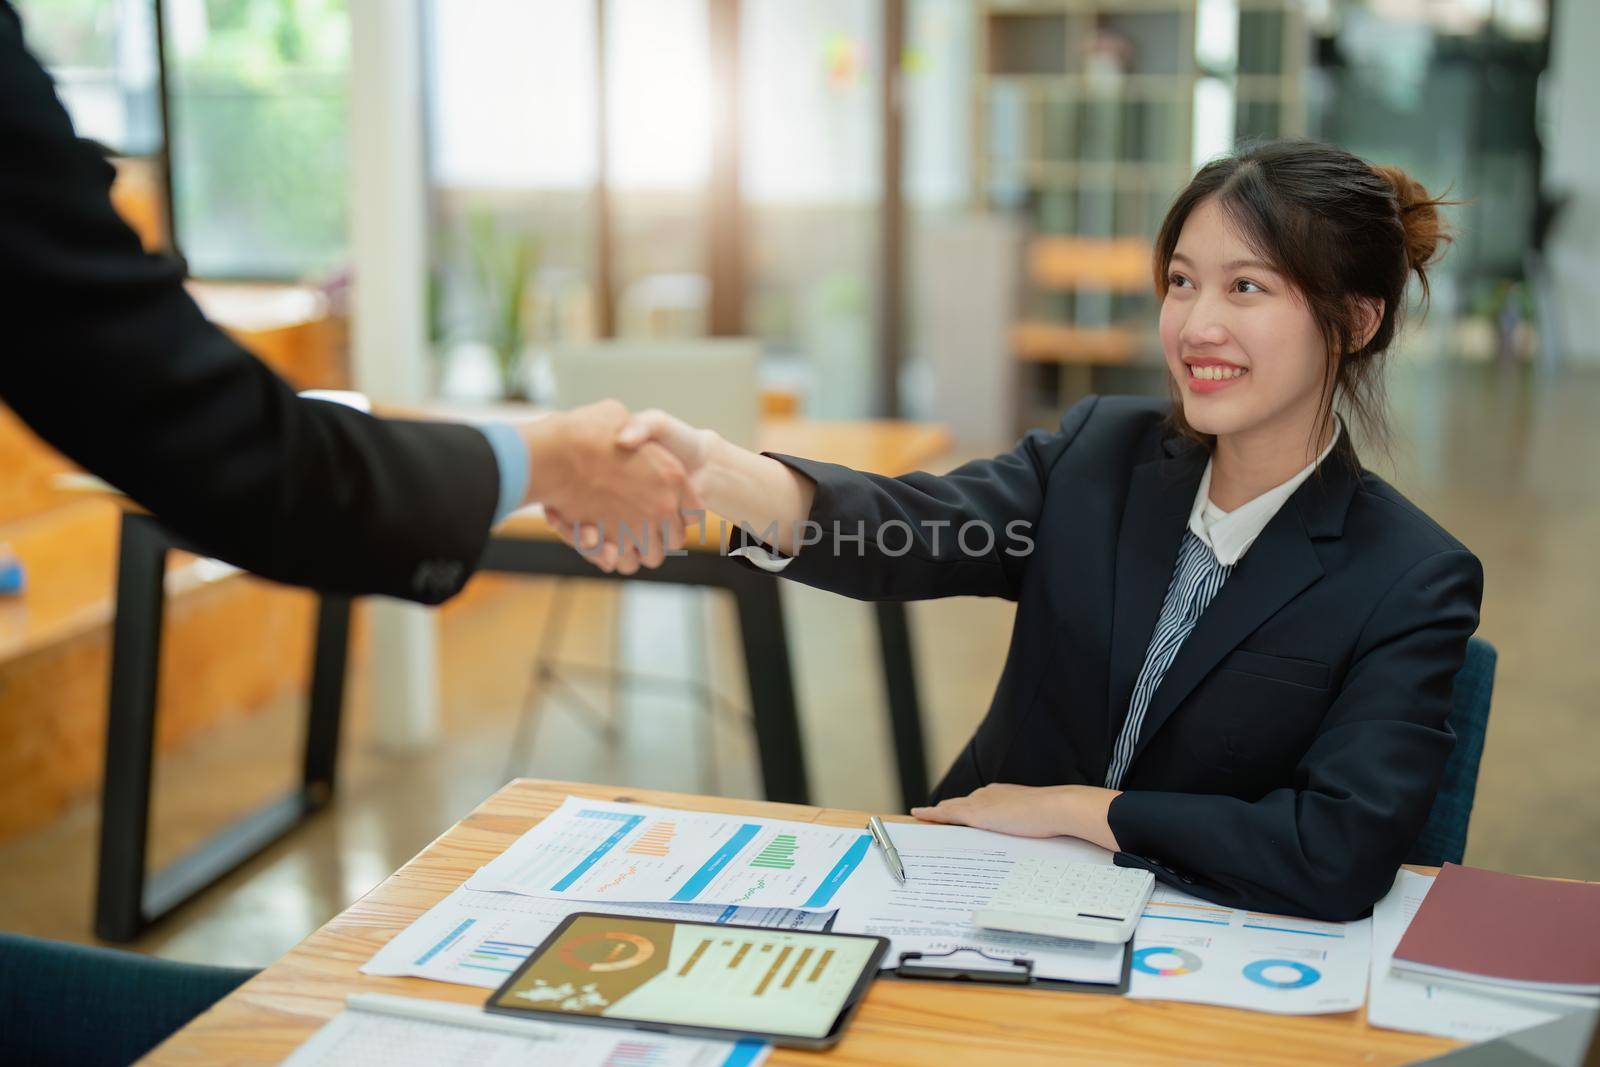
x: 1291, y: 754
x: 108, y: 359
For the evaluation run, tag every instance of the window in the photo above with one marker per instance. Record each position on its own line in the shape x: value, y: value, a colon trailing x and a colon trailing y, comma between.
x: 259, y: 114
x: 103, y: 58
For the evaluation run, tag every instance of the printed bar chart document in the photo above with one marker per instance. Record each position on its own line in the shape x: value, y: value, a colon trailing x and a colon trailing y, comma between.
x: 600, y: 852
x: 1189, y: 949
x: 478, y: 939
x: 950, y: 872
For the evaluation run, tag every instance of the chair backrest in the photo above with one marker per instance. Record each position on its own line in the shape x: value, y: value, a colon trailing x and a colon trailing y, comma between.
x: 710, y: 381
x: 1444, y: 837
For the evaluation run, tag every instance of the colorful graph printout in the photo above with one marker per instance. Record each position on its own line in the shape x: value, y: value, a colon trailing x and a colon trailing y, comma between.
x: 599, y: 851
x: 1191, y: 949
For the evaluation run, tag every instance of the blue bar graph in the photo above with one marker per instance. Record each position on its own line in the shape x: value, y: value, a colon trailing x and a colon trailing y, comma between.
x: 501, y: 957
x: 744, y: 1053
x: 626, y: 823
x: 719, y: 859
x: 446, y: 941
x: 841, y: 870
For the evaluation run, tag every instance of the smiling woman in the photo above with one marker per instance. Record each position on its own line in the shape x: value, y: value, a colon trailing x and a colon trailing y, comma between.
x: 1232, y: 660
x: 1289, y: 263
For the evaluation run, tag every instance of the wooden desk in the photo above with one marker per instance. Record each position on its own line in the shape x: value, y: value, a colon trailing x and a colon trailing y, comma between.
x: 900, y: 1023
x: 129, y: 897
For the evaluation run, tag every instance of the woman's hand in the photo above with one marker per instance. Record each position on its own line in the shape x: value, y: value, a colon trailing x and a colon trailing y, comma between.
x: 1080, y: 811
x: 739, y: 485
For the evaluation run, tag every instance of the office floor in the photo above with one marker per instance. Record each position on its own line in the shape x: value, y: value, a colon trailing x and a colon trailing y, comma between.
x: 1505, y: 461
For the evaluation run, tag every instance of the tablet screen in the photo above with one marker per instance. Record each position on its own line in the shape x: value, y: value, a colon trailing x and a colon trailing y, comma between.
x: 752, y: 980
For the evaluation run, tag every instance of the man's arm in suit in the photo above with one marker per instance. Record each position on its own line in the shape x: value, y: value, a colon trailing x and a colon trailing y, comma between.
x: 109, y: 360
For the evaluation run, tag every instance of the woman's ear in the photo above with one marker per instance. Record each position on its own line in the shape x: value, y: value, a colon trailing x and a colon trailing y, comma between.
x: 1369, y: 316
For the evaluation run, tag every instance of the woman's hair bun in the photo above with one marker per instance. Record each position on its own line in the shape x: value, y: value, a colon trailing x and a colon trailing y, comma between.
x: 1424, y: 229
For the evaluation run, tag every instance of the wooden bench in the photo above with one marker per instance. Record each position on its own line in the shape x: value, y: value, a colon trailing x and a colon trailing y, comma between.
x: 223, y: 654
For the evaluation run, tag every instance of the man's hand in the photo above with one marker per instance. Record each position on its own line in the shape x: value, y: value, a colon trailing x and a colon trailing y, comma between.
x: 623, y: 496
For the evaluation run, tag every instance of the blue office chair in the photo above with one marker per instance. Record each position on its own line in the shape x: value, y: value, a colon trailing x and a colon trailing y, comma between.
x: 1444, y: 837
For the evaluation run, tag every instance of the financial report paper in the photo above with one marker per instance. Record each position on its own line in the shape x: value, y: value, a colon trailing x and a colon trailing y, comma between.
x: 950, y: 872
x: 602, y: 851
x: 1189, y: 949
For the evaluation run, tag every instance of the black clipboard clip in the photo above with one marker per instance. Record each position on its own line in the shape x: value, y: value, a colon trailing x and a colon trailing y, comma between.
x: 912, y: 966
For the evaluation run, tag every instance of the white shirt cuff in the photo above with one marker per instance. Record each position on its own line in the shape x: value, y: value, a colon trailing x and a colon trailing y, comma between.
x: 770, y: 562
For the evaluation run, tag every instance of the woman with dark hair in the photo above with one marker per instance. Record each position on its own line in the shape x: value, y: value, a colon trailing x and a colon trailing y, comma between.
x: 1234, y: 647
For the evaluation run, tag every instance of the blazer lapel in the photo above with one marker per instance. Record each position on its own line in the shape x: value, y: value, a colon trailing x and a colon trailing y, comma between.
x: 1160, y: 497
x: 1281, y: 564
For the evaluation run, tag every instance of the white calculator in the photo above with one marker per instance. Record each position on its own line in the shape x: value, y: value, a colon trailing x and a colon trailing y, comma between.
x: 1088, y: 901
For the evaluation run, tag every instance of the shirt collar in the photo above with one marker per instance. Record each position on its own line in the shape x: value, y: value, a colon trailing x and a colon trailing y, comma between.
x: 1229, y: 534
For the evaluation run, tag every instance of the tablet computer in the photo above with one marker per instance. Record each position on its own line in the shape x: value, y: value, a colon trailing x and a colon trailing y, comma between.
x: 789, y: 987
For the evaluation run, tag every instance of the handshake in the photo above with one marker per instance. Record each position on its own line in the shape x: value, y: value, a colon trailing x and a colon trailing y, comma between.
x: 619, y: 487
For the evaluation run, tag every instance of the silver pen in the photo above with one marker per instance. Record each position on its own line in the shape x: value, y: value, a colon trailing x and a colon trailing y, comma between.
x: 880, y: 834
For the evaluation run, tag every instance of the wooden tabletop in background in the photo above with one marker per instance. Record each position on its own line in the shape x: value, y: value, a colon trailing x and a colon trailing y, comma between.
x: 900, y: 1022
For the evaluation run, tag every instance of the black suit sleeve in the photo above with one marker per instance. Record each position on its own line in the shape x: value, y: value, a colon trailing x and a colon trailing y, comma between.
x: 1329, y: 847
x: 110, y: 361
x: 923, y: 536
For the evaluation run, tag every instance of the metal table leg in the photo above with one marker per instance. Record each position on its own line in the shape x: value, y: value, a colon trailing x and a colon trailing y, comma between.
x: 905, y: 714
x: 766, y: 663
x: 128, y: 900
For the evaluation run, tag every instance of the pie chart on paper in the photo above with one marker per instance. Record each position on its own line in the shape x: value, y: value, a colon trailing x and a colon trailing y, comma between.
x: 1282, y: 974
x: 1165, y: 961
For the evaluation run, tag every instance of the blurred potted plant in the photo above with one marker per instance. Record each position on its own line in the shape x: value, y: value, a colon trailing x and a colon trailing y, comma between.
x: 504, y: 262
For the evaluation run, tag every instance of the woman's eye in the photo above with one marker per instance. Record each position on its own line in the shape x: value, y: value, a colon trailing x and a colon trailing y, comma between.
x: 1245, y: 285
x: 1177, y: 279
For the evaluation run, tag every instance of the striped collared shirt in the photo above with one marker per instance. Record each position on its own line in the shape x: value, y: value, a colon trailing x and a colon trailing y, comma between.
x: 1194, y: 582
x: 1212, y: 533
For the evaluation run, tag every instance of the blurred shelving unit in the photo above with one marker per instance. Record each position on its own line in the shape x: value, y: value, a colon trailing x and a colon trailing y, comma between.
x: 1087, y: 115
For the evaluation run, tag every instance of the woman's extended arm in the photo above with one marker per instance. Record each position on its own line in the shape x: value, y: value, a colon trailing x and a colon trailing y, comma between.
x: 869, y: 536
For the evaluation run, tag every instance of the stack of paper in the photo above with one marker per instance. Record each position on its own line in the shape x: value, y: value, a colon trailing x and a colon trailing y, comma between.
x: 950, y: 872
x: 627, y: 860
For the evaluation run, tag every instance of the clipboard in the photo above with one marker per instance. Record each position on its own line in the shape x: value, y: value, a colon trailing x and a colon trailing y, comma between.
x: 951, y: 966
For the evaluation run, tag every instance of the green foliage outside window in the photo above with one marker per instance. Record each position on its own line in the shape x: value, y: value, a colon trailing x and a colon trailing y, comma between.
x: 260, y: 118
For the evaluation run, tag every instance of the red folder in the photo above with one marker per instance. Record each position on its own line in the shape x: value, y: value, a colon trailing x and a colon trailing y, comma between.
x: 1530, y: 933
